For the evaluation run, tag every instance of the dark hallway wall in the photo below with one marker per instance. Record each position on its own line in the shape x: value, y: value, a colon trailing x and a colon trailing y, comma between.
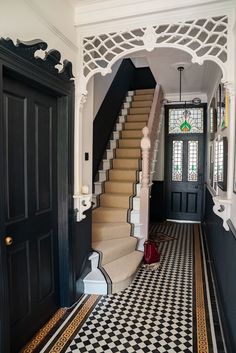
x: 127, y: 78
x: 222, y: 248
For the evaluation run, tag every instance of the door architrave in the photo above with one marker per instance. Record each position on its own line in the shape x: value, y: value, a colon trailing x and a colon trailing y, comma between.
x: 173, y: 106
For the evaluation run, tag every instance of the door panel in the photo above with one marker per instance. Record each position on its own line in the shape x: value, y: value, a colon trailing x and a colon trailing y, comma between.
x: 15, y: 157
x: 184, y: 168
x: 30, y: 179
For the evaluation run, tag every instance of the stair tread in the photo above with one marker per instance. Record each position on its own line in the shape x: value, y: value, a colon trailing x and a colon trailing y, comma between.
x: 114, y: 249
x: 124, y: 267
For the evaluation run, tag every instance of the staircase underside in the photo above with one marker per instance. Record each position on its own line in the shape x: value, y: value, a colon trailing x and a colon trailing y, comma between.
x: 112, y: 231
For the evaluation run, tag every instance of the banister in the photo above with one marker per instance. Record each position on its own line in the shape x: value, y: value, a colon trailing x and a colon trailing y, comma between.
x: 150, y: 133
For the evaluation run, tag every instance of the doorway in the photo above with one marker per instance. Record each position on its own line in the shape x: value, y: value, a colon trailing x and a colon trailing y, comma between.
x: 184, y: 161
x: 36, y: 173
x: 30, y: 199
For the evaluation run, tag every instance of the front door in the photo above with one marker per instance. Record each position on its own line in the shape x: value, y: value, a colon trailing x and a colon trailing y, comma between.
x: 184, y: 172
x: 30, y: 199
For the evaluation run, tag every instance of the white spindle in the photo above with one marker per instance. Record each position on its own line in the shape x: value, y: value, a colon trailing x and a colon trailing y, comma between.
x: 150, y: 135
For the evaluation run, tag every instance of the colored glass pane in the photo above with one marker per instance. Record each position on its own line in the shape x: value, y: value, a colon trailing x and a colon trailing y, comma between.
x: 185, y: 121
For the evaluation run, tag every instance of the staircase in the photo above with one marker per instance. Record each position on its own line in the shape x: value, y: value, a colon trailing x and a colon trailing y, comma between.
x: 116, y: 259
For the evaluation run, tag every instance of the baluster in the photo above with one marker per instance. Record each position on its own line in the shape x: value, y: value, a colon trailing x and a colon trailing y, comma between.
x: 145, y: 183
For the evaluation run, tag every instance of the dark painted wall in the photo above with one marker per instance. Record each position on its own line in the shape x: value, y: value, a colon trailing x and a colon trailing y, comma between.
x: 127, y: 78
x: 222, y: 248
x: 82, y: 244
x: 157, y: 202
x: 109, y: 110
x: 143, y: 79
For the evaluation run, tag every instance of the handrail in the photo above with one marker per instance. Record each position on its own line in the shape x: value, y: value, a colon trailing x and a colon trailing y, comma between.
x: 150, y: 134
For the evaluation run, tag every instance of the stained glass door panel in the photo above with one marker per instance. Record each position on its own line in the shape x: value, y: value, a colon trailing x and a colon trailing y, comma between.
x: 184, y: 165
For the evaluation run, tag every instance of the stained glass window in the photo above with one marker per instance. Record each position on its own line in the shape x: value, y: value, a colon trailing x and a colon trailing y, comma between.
x: 192, y: 160
x: 215, y: 163
x: 220, y: 176
x: 185, y: 120
x: 177, y: 161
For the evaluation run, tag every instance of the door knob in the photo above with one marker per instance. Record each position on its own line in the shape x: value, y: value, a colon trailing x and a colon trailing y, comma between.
x: 8, y: 240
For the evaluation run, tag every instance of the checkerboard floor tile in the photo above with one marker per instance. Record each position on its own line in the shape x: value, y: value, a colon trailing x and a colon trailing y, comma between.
x: 154, y: 314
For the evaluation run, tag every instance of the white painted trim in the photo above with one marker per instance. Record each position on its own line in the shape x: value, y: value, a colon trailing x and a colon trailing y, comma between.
x: 183, y: 221
x: 186, y: 96
x: 222, y: 209
x: 44, y: 19
x: 113, y: 18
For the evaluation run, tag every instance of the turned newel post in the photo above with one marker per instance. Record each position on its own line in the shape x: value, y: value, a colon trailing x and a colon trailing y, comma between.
x: 145, y: 183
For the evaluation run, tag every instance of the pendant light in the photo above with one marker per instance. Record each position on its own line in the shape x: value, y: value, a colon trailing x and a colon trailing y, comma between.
x: 194, y: 101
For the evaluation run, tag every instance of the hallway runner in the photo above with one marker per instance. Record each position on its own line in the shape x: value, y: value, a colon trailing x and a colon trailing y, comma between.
x: 162, y: 311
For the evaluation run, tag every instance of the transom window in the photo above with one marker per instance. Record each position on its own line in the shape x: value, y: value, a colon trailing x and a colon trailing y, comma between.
x: 185, y: 121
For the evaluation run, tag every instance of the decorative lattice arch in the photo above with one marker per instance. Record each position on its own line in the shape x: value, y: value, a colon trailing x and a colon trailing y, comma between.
x: 204, y: 39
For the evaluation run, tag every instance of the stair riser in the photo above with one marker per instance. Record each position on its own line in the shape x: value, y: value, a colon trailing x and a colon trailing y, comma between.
x: 119, y: 188
x: 126, y: 143
x: 125, y: 163
x: 114, y: 201
x: 132, y: 134
x: 128, y: 153
x: 143, y: 97
x: 140, y: 104
x: 144, y: 91
x: 101, y: 234
x: 115, y: 216
x: 134, y: 126
x: 136, y: 118
x: 116, y: 175
x: 139, y: 111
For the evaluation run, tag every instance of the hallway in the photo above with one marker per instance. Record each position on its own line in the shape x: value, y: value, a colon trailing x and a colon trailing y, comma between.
x: 165, y: 310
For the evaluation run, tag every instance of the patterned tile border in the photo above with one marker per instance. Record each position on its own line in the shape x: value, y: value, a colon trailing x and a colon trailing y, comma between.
x: 74, y: 325
x: 202, y: 338
x: 43, y: 332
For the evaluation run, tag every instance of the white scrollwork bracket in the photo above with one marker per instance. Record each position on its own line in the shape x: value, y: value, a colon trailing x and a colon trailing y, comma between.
x: 222, y: 209
x: 82, y: 203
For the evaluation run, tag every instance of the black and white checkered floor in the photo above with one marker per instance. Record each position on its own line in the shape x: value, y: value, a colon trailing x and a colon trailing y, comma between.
x: 155, y: 313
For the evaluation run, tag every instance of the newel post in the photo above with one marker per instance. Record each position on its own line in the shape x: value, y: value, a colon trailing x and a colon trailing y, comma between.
x: 145, y: 183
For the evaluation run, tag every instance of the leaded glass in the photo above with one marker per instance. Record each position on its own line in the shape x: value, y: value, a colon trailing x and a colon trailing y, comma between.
x: 215, y: 162
x: 220, y: 168
x: 185, y: 120
x: 192, y: 160
x: 177, y: 161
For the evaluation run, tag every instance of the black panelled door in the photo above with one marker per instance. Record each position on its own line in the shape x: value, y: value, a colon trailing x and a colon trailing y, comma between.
x: 30, y: 184
x: 184, y: 163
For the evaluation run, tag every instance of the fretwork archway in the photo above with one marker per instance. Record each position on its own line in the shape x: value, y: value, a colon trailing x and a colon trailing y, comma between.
x: 204, y: 39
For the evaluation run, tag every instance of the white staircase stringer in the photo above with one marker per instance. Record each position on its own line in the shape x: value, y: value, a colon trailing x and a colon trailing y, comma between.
x: 107, y: 163
x: 95, y: 282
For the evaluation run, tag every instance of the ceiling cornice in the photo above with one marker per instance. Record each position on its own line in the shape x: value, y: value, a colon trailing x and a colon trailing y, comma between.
x: 116, y: 11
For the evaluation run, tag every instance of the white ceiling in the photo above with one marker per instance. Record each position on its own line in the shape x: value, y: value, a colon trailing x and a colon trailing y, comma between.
x: 163, y: 62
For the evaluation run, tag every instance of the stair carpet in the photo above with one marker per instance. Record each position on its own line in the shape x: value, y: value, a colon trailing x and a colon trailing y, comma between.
x: 119, y: 259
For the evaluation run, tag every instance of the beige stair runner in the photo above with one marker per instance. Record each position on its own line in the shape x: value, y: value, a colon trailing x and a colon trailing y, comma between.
x: 111, y: 229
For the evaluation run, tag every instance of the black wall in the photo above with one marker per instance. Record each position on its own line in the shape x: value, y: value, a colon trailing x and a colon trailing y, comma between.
x: 82, y: 244
x: 157, y: 206
x: 143, y: 79
x: 109, y: 110
x: 222, y: 247
x: 127, y: 78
